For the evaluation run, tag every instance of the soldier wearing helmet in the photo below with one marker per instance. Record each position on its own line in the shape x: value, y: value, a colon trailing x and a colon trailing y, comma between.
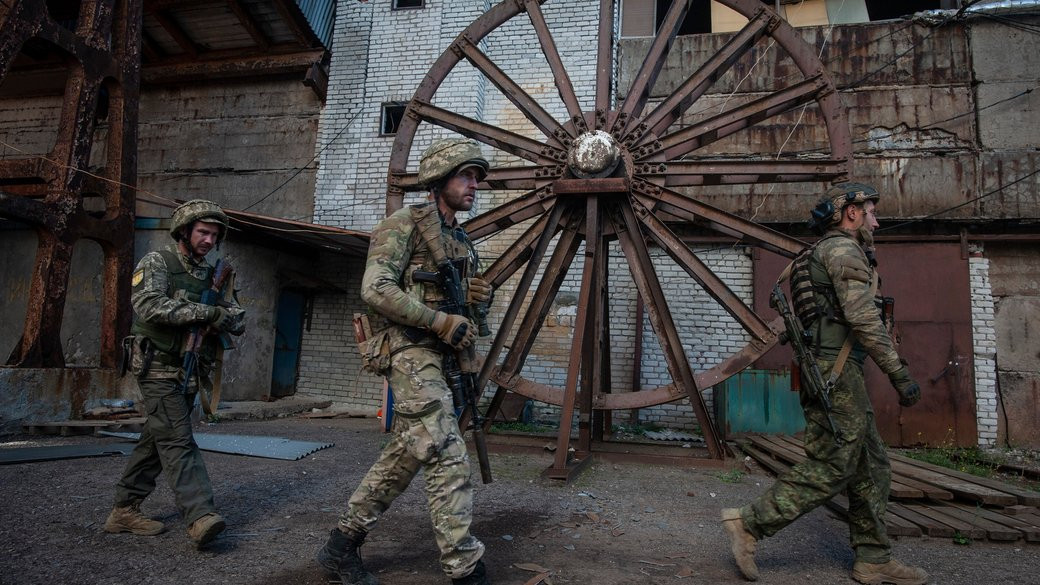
x: 167, y: 285
x: 409, y: 340
x: 833, y: 286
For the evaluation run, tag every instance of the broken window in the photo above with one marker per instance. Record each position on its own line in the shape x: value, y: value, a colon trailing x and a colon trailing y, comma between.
x: 391, y: 117
x: 407, y: 4
x: 888, y: 10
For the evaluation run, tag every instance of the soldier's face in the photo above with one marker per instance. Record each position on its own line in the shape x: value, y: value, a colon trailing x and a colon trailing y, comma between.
x: 868, y: 218
x: 460, y: 191
x: 203, y: 238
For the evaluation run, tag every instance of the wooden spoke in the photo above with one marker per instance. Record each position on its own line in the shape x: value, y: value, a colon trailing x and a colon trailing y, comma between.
x: 644, y: 81
x: 605, y: 56
x: 693, y: 266
x: 639, y: 262
x: 512, y: 178
x: 685, y: 173
x: 687, y: 140
x: 552, y: 56
x: 518, y: 253
x: 513, y: 92
x: 689, y: 209
x: 503, y: 140
x: 522, y: 208
x: 665, y: 114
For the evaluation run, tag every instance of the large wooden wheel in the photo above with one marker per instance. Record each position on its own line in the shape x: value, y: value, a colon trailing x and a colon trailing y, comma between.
x: 626, y: 172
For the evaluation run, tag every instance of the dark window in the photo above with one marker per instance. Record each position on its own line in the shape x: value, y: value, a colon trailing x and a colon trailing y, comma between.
x: 884, y: 10
x: 390, y: 120
x: 406, y: 4
x: 698, y: 17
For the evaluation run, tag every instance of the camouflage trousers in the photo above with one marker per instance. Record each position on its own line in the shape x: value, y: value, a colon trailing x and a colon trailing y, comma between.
x: 425, y: 436
x: 167, y: 443
x: 859, y: 466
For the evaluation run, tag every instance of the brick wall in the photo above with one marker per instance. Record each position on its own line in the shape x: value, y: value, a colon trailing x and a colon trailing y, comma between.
x: 984, y: 339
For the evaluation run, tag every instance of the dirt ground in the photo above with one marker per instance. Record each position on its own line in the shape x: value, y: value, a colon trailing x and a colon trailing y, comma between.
x: 618, y: 524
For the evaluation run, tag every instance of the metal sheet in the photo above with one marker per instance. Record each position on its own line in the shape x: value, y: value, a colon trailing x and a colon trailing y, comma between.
x: 33, y: 454
x: 266, y: 447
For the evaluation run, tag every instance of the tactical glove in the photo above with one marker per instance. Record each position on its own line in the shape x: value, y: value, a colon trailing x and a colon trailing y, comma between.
x: 479, y: 291
x: 909, y: 391
x: 455, y: 330
x: 220, y: 319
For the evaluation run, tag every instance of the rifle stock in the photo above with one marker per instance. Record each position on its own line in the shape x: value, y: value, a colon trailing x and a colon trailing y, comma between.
x: 212, y: 296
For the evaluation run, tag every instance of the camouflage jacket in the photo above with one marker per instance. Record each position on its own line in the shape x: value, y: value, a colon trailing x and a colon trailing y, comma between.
x: 154, y: 303
x: 397, y: 250
x: 840, y: 266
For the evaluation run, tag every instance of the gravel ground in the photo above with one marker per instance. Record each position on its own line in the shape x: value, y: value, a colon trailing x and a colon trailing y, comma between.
x: 617, y: 524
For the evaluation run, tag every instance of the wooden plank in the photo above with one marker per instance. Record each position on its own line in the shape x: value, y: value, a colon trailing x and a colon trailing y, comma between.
x: 1026, y: 497
x: 1030, y: 530
x: 898, y: 489
x: 936, y: 512
x: 928, y: 526
x: 960, y: 488
x: 894, y: 525
x: 763, y: 458
x: 974, y: 517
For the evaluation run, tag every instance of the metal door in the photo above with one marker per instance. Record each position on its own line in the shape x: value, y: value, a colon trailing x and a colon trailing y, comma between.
x: 933, y: 314
x: 288, y: 332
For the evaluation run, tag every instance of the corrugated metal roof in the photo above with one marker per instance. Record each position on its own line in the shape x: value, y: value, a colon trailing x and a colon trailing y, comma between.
x: 321, y: 14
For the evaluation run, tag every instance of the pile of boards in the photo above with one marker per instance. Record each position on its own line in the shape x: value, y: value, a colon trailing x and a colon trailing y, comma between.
x: 928, y: 499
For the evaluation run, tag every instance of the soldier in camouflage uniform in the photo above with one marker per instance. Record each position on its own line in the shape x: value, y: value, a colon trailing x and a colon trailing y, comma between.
x: 410, y: 336
x: 167, y: 285
x: 842, y: 278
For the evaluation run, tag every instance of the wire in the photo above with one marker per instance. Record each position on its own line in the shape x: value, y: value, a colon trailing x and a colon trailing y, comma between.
x: 301, y: 169
x: 959, y: 205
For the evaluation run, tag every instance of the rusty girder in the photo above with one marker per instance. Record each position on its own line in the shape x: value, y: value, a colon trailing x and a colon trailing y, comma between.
x: 103, y: 52
x: 622, y: 172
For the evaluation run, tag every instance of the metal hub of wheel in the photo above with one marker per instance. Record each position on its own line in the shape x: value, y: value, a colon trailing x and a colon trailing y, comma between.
x: 622, y: 172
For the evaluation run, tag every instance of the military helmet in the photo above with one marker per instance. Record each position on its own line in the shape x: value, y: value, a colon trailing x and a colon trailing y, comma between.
x: 828, y: 211
x: 447, y: 154
x: 197, y: 210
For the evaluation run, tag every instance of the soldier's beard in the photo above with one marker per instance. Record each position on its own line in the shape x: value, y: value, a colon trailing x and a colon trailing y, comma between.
x: 865, y: 236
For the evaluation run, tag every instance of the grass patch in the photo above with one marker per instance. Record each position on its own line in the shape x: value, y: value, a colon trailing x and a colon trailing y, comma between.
x: 965, y: 459
x: 732, y: 476
x: 521, y: 427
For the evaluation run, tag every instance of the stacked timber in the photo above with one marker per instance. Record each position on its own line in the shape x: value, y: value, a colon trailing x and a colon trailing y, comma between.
x: 927, y: 499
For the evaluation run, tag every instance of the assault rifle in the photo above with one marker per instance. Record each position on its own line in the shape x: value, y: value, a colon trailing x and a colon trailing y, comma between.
x: 799, y: 338
x: 214, y: 297
x: 460, y: 366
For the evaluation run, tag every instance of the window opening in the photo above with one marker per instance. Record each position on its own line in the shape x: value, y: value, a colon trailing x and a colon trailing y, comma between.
x: 390, y: 120
x: 408, y: 4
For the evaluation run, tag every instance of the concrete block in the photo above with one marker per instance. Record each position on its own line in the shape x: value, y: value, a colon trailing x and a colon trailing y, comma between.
x: 1018, y: 321
x: 1021, y: 402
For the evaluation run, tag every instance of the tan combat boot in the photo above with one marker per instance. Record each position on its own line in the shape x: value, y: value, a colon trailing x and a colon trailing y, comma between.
x: 205, y: 529
x: 742, y: 543
x: 892, y: 572
x: 130, y: 519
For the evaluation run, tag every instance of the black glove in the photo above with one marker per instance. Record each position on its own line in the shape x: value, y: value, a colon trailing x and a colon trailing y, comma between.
x: 220, y: 319
x: 909, y: 390
x: 455, y: 330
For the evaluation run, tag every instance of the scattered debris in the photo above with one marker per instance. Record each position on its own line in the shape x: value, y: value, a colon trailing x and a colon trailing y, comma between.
x: 33, y: 454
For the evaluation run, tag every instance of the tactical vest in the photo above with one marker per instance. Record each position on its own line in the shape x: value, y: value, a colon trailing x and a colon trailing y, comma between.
x: 169, y: 339
x: 437, y: 242
x: 816, y: 304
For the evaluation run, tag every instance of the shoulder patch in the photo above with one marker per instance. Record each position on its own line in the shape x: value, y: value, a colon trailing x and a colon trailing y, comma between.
x: 137, y: 278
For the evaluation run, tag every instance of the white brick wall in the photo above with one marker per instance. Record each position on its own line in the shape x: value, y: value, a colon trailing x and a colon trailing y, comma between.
x: 984, y: 339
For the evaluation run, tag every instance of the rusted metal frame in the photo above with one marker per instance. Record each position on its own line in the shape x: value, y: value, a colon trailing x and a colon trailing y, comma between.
x: 16, y: 29
x: 637, y: 357
x: 552, y: 56
x: 31, y: 19
x: 511, y: 90
x: 604, y: 60
x: 504, y: 140
x: 94, y: 22
x: 645, y: 277
x: 522, y: 208
x: 172, y: 28
x: 518, y: 253
x: 245, y: 65
x: 297, y: 23
x: 17, y: 171
x: 668, y: 111
x: 687, y: 140
x: 712, y: 284
x: 683, y: 173
x: 588, y: 358
x: 249, y: 23
x: 570, y: 390
x: 555, y: 273
x: 644, y: 81
x: 599, y: 346
x: 689, y: 209
x: 401, y: 150
x: 511, y: 178
x: 555, y: 220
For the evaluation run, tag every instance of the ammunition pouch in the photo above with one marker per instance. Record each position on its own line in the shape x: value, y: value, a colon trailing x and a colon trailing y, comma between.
x: 427, y: 433
x: 138, y: 354
x: 375, y: 353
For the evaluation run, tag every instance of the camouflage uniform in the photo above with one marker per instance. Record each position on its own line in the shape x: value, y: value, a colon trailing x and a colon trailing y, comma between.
x: 426, y: 434
x: 167, y: 441
x: 841, y: 275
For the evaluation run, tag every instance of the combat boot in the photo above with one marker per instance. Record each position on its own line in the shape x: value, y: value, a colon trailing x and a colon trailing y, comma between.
x: 205, y: 529
x: 742, y: 543
x: 892, y: 572
x: 130, y: 519
x: 341, y: 556
x: 477, y: 577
